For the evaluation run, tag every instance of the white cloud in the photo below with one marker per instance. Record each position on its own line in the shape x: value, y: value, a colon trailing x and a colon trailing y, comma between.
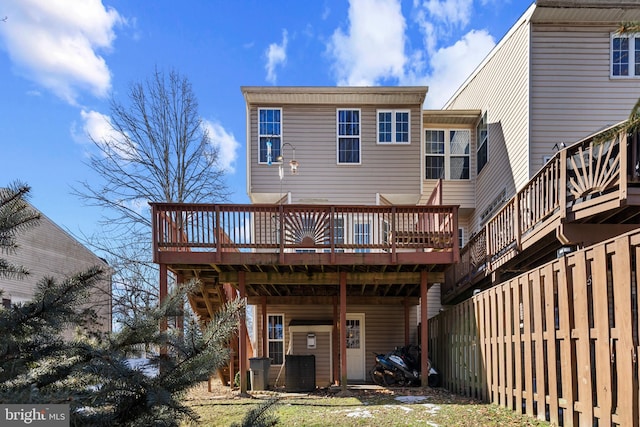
x: 373, y: 47
x: 276, y: 55
x: 226, y: 144
x: 450, y: 11
x: 453, y: 64
x: 55, y: 43
x: 97, y: 127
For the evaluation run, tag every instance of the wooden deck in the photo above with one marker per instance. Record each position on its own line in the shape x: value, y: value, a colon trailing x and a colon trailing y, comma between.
x: 283, y: 249
x: 586, y: 193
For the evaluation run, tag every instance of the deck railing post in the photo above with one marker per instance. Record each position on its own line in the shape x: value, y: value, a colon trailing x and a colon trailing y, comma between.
x: 281, y: 220
x: 218, y: 235
x: 622, y: 170
x: 155, y: 231
x: 517, y: 229
x: 562, y: 185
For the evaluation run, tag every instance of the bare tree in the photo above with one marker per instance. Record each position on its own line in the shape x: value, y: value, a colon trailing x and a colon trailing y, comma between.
x: 157, y: 150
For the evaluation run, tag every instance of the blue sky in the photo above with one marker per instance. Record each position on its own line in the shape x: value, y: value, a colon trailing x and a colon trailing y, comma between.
x: 61, y: 61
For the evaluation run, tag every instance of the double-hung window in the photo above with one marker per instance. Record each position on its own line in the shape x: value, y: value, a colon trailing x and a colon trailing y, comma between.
x: 393, y: 127
x: 269, y: 134
x: 338, y: 234
x: 275, y: 338
x: 482, y: 142
x: 348, y: 136
x: 447, y: 154
x: 361, y: 236
x: 625, y: 55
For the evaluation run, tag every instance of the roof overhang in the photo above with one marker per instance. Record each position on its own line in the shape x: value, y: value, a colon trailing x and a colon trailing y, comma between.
x: 374, y: 95
x: 600, y: 12
x: 451, y: 117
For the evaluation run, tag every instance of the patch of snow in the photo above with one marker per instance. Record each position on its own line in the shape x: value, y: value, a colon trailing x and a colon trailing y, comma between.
x: 430, y: 424
x: 431, y: 408
x: 404, y: 408
x: 411, y: 399
x: 144, y: 365
x: 359, y: 414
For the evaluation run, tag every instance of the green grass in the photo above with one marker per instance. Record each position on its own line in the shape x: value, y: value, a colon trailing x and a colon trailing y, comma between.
x: 366, y: 408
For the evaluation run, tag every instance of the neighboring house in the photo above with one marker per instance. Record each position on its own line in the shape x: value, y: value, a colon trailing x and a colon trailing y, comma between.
x: 46, y: 250
x: 560, y: 74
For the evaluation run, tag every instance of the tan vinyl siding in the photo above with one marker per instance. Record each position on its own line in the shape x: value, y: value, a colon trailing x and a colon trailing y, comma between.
x: 501, y: 88
x: 384, y: 329
x: 384, y: 168
x: 572, y: 94
x: 48, y: 251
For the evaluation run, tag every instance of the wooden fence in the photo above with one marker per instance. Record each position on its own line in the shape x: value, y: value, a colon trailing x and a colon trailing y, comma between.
x: 558, y: 343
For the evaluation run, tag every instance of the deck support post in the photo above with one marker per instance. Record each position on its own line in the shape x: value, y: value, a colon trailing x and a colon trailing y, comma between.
x: 163, y: 296
x: 424, y: 330
x: 180, y: 317
x: 265, y: 330
x: 406, y: 322
x: 343, y: 330
x: 335, y: 344
x: 242, y: 337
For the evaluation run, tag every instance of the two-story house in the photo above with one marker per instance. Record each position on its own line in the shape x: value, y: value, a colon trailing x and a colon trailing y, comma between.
x: 335, y: 251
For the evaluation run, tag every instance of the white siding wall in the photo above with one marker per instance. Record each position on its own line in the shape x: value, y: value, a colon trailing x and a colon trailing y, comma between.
x: 47, y: 250
x: 387, y: 169
x: 572, y: 95
x: 501, y: 87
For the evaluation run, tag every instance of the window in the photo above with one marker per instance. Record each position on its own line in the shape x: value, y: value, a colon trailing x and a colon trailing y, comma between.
x: 6, y: 302
x: 447, y: 154
x: 338, y: 234
x: 361, y: 236
x: 481, y: 146
x: 393, y: 127
x: 269, y: 134
x: 435, y: 154
x: 275, y: 330
x: 625, y: 55
x: 348, y: 136
x: 461, y: 237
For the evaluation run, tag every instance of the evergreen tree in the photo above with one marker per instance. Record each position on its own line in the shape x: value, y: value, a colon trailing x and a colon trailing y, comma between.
x: 93, y: 373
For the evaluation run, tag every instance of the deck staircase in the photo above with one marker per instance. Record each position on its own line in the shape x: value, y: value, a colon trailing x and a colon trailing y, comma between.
x: 210, y: 298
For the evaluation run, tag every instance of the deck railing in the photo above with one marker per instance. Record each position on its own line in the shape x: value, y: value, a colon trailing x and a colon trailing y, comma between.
x: 300, y: 228
x: 574, y: 184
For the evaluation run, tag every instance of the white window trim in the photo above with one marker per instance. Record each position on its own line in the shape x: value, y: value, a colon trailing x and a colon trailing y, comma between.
x: 461, y: 237
x: 447, y: 153
x: 393, y: 127
x: 274, y: 159
x: 633, y: 39
x: 347, y: 136
x: 275, y: 340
